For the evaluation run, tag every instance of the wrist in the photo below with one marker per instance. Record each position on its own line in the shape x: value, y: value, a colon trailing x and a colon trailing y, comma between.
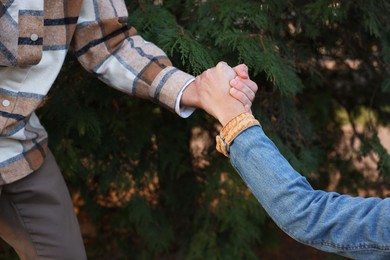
x: 232, y: 129
x: 228, y: 115
x: 190, y: 96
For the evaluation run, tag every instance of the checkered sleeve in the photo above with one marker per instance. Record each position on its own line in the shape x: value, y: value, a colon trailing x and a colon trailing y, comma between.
x: 106, y: 45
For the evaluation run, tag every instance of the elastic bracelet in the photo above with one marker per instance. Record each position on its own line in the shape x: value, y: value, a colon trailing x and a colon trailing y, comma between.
x: 232, y: 129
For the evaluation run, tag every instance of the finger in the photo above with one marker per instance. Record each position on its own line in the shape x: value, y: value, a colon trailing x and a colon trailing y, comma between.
x: 252, y: 85
x: 244, y: 88
x: 248, y: 109
x: 240, y: 96
x: 242, y: 71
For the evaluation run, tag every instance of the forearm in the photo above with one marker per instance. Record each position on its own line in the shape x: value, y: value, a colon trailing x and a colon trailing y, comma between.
x: 106, y: 46
x: 336, y: 223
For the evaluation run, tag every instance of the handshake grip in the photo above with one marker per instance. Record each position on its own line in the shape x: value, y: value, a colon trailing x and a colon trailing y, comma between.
x: 213, y: 87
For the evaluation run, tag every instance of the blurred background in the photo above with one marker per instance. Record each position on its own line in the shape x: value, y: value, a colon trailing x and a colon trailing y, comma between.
x: 147, y: 184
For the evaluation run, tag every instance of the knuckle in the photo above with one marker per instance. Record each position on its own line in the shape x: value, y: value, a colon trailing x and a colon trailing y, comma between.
x: 208, y: 72
x: 221, y: 64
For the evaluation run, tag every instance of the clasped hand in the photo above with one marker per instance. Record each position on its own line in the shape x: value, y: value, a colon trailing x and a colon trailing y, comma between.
x: 222, y: 91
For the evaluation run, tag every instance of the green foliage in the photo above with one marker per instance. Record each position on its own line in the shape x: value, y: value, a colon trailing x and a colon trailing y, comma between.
x: 386, y: 85
x: 147, y: 193
x: 373, y: 144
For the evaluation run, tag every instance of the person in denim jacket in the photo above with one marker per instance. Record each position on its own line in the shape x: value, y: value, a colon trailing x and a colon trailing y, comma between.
x: 354, y: 227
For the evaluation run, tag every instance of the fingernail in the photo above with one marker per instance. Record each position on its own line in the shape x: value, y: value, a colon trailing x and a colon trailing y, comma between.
x: 233, y: 91
x: 233, y: 82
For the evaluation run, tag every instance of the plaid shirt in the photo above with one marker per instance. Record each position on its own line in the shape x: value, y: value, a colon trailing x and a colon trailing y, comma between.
x: 35, y: 36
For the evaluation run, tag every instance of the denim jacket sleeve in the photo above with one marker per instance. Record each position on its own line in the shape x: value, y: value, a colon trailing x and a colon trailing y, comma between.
x: 354, y: 227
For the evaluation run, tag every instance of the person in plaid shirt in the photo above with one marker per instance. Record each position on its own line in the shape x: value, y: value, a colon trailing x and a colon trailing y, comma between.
x: 36, y: 213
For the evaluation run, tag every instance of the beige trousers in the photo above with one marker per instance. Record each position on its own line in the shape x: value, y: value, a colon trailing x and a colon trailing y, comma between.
x: 37, y: 217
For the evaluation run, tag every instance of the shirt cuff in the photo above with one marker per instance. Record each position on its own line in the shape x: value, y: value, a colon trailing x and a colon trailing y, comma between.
x: 184, y: 111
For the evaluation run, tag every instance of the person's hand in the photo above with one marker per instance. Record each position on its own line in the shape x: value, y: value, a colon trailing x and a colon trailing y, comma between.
x: 243, y: 88
x: 213, y: 90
